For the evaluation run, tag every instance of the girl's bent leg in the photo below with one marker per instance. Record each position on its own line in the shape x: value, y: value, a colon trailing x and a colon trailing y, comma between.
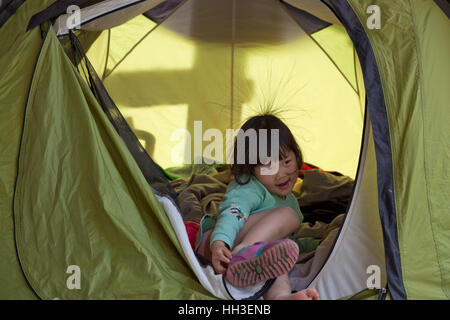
x: 270, y: 225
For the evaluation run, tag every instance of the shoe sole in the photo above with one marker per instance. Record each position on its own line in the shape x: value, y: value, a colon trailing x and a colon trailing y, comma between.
x: 271, y: 264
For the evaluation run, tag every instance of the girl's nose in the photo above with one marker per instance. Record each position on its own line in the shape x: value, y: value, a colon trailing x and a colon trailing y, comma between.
x: 282, y: 172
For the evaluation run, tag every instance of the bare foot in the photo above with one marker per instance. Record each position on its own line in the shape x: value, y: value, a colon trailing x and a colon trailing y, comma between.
x: 307, y: 294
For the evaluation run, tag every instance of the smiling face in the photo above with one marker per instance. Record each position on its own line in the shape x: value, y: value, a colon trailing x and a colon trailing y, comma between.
x: 281, y: 181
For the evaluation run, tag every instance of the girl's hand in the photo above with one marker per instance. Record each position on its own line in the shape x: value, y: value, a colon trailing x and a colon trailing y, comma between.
x: 221, y: 256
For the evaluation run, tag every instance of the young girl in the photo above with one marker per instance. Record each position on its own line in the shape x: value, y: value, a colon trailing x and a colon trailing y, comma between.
x: 247, y: 239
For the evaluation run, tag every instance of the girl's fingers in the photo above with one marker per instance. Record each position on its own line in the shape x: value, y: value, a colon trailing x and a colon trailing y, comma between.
x: 221, y: 258
x: 220, y: 269
x: 217, y: 263
x: 228, y: 254
x: 217, y: 267
x: 224, y: 258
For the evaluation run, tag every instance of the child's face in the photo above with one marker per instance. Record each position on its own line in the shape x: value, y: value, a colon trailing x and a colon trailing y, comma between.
x: 282, y: 181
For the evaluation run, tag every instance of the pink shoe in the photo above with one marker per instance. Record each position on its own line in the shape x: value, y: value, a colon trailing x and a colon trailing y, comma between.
x: 262, y: 261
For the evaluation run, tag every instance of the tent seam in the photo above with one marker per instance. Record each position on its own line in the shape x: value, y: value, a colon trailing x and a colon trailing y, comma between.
x: 233, y: 35
x: 419, y: 77
x: 142, y: 39
x: 354, y: 70
x: 128, y: 53
x: 317, y: 43
x: 105, y: 67
x: 359, y: 90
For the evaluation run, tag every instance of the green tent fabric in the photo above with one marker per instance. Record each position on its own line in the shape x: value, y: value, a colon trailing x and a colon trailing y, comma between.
x: 72, y: 194
x: 13, y: 98
x: 409, y: 53
x: 416, y: 98
x: 108, y: 247
x: 128, y: 248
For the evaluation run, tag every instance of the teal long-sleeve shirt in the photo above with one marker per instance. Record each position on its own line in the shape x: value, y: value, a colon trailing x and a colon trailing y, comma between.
x: 240, y: 202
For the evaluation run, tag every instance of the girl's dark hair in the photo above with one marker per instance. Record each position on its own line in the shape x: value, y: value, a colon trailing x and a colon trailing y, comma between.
x: 286, y: 142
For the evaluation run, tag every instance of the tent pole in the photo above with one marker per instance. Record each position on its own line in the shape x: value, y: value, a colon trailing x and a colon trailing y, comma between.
x: 233, y: 37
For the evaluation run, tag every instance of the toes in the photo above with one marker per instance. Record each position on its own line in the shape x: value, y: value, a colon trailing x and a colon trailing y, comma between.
x: 313, y: 294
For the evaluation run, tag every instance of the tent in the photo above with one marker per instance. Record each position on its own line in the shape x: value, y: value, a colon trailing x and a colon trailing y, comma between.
x: 89, y: 115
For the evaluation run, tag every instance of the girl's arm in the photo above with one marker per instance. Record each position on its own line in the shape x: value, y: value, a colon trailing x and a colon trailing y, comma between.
x: 234, y: 211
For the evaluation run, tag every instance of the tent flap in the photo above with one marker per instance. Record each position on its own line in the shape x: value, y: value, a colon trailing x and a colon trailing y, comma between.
x: 81, y: 206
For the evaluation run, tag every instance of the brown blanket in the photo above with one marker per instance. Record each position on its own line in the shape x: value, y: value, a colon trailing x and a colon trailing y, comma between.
x: 201, y: 194
x: 324, y: 195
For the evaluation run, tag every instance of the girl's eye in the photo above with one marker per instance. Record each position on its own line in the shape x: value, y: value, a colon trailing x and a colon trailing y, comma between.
x: 287, y: 161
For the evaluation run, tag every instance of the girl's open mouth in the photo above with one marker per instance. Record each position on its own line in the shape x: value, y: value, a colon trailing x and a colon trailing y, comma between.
x: 283, y: 185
